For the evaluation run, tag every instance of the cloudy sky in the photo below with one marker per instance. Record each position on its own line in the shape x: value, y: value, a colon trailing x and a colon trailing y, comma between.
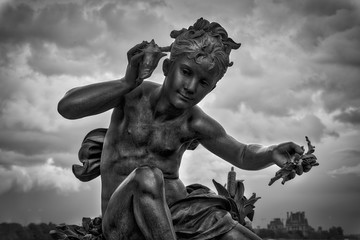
x: 296, y: 74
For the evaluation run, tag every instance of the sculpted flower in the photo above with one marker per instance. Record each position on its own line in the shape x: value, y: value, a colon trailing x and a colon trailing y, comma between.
x: 301, y: 163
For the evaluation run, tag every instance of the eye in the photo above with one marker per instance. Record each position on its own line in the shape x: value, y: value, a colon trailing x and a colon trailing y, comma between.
x: 186, y: 71
x: 204, y: 82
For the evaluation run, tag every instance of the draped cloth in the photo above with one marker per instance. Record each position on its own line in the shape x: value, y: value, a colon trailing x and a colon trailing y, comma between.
x: 90, y: 155
x: 202, y: 215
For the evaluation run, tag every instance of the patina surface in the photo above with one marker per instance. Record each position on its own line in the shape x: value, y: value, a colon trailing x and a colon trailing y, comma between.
x: 151, y: 127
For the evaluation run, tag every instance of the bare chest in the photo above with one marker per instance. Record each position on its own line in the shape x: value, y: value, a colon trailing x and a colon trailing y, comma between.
x: 162, y: 137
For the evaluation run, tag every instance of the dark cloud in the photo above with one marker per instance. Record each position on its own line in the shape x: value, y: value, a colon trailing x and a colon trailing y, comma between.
x: 35, y: 142
x: 347, y: 156
x: 112, y: 13
x: 62, y: 140
x: 317, y: 8
x: 15, y: 22
x: 51, y: 60
x: 147, y: 3
x: 333, y: 134
x: 342, y: 48
x: 331, y: 29
x: 59, y: 37
x: 228, y: 10
x: 65, y: 24
x: 48, y: 205
x: 11, y: 158
x: 346, y: 165
x: 329, y: 32
x: 271, y: 98
x: 8, y: 85
x: 341, y: 92
x: 39, y: 152
x: 124, y: 26
x: 338, y: 89
x: 351, y: 116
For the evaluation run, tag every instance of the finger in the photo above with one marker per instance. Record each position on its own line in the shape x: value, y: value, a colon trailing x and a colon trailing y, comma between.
x: 297, y: 148
x: 136, y: 49
x: 297, y: 157
x: 138, y: 46
x: 136, y: 59
x: 139, y: 81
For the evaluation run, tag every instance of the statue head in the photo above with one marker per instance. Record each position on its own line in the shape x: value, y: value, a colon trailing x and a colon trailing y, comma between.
x: 206, y: 43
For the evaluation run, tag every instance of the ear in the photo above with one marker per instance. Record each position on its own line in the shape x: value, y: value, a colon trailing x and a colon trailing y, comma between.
x: 166, y: 66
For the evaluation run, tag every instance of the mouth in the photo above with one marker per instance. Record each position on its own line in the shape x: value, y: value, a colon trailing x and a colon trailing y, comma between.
x: 185, y: 97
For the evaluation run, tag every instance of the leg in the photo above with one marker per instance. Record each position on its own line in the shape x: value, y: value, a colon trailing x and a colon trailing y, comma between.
x: 240, y: 232
x: 138, y: 210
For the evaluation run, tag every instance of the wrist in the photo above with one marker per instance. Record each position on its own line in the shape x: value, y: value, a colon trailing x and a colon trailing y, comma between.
x: 128, y: 84
x: 260, y: 156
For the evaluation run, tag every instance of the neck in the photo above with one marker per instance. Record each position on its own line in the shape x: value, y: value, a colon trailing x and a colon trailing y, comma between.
x: 162, y: 108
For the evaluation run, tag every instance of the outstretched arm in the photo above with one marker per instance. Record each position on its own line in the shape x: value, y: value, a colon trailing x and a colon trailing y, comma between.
x: 100, y: 97
x: 245, y: 156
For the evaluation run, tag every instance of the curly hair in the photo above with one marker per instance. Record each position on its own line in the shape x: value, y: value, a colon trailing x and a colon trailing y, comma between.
x: 204, y: 41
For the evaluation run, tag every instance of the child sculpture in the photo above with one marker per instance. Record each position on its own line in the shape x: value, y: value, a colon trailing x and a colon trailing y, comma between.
x: 151, y: 127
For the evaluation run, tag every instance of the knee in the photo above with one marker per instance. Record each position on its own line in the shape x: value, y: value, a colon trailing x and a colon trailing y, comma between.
x: 148, y: 180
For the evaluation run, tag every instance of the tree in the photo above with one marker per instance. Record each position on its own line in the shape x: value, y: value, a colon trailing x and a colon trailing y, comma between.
x: 336, y: 233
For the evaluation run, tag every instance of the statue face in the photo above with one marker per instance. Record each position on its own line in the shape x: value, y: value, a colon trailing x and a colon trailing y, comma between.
x: 188, y: 82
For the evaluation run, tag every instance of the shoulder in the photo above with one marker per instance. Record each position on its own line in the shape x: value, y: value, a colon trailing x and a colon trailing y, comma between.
x: 144, y: 89
x: 205, y: 126
x: 148, y: 85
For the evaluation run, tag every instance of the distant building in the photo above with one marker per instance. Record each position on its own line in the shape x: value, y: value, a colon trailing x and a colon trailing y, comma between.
x: 276, y: 225
x: 297, y: 222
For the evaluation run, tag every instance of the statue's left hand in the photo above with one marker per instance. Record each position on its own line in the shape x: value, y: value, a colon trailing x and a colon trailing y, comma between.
x: 286, y: 152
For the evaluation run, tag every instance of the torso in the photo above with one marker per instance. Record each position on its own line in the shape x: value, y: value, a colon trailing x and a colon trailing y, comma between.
x: 136, y: 138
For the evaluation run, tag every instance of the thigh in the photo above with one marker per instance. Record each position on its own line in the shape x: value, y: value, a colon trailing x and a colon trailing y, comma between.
x: 119, y: 220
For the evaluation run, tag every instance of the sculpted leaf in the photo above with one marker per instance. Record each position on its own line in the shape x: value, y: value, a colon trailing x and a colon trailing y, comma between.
x: 221, y: 189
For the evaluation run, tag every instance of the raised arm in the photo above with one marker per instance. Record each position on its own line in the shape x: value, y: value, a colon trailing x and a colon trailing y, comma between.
x: 100, y: 97
x: 245, y: 156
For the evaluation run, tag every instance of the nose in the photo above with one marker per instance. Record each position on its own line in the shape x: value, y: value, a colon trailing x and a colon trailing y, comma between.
x: 190, y: 85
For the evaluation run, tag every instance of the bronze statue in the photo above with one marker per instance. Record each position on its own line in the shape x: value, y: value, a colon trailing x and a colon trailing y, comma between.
x: 151, y: 127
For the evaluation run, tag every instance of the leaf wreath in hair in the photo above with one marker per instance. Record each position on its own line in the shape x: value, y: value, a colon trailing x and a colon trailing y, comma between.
x: 204, y: 41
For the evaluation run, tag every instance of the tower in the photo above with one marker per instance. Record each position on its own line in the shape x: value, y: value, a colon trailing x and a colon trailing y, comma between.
x: 231, y: 182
